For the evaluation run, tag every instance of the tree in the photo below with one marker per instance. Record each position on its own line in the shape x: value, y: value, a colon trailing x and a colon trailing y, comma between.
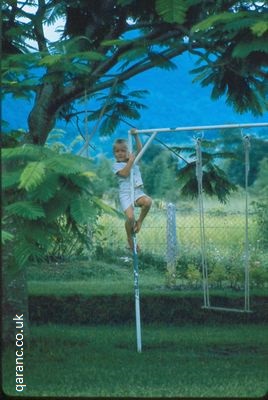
x: 159, y: 173
x: 260, y: 188
x: 105, y: 182
x: 232, y: 141
x: 214, y: 180
x: 44, y: 194
x: 104, y: 43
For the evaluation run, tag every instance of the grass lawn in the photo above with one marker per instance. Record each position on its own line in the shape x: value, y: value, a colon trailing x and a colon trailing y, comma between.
x: 101, y: 278
x: 188, y: 360
x: 182, y: 361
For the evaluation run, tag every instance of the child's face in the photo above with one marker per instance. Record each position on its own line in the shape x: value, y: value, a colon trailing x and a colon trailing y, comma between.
x: 121, y: 152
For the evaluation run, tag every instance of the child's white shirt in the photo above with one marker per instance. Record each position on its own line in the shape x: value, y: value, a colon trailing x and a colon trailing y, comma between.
x: 124, y: 182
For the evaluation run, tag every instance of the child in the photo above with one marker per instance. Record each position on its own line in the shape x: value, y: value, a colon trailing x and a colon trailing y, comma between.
x: 122, y: 168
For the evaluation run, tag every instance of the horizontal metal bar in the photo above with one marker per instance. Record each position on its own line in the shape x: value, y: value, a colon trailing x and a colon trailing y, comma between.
x: 226, y: 309
x: 203, y: 127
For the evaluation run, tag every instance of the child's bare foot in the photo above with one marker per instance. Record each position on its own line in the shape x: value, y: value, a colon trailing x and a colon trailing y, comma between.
x: 137, y: 226
x: 131, y: 245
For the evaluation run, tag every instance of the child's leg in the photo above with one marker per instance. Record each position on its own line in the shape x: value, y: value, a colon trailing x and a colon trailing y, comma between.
x: 129, y: 225
x: 145, y: 203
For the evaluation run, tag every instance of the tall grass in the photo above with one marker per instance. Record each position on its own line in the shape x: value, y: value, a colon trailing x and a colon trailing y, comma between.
x: 223, y: 231
x: 225, y: 243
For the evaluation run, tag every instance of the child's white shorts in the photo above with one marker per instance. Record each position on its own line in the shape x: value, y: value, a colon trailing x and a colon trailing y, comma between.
x: 125, y: 197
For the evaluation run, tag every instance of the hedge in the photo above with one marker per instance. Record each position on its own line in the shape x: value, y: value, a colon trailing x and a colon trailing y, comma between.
x: 119, y: 309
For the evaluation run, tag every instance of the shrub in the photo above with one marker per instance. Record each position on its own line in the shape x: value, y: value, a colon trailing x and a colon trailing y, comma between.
x: 261, y: 210
x: 218, y: 275
x: 193, y: 275
x: 258, y: 274
x: 48, y: 201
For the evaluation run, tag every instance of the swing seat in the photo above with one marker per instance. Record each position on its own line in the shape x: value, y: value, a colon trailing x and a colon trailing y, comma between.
x: 226, y: 309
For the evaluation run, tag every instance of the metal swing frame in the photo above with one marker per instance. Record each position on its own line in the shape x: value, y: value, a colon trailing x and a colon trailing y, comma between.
x: 153, y: 133
x: 199, y: 174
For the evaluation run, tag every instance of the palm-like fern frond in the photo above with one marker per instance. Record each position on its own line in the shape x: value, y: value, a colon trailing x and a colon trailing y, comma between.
x: 159, y: 60
x: 6, y: 236
x: 41, y: 188
x: 172, y: 11
x: 47, y: 188
x: 107, y: 208
x: 26, y: 152
x: 242, y: 49
x: 215, y: 180
x: 57, y: 205
x: 67, y: 164
x: 24, y: 250
x: 81, y: 210
x: 11, y: 179
x: 26, y: 209
x: 32, y: 175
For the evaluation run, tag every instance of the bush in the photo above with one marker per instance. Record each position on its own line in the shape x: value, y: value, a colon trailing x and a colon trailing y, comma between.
x: 218, y: 275
x: 47, y: 201
x: 193, y: 275
x: 261, y: 210
x: 258, y: 275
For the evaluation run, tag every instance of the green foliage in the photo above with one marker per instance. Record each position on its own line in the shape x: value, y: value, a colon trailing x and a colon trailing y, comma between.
x: 215, y: 182
x: 260, y: 186
x: 231, y: 141
x: 25, y: 209
x: 6, y: 236
x: 159, y: 174
x: 258, y: 275
x: 259, y: 28
x: 80, y: 211
x: 193, y: 275
x: 105, y: 180
x: 218, y: 275
x: 242, y: 50
x: 47, y: 200
x: 221, y: 19
x: 261, y: 204
x: 32, y: 175
x: 118, y: 105
x: 172, y: 10
x: 238, y: 72
x: 229, y: 39
x: 166, y: 178
x: 161, y: 61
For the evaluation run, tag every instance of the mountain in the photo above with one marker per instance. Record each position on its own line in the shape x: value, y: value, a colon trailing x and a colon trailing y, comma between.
x: 173, y: 101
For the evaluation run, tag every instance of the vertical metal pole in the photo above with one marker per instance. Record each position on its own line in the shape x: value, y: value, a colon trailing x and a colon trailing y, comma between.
x: 135, y: 261
x: 144, y: 148
x: 247, y: 146
x: 199, y: 175
x: 172, y: 245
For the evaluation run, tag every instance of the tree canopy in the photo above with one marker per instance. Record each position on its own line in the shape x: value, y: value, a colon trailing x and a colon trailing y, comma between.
x: 104, y: 43
x: 235, y: 166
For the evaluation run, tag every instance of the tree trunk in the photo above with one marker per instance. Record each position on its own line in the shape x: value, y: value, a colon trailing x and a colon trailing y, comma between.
x: 43, y: 116
x: 14, y: 300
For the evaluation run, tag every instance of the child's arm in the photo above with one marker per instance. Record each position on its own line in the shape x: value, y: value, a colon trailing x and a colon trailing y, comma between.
x: 126, y: 170
x: 137, y: 140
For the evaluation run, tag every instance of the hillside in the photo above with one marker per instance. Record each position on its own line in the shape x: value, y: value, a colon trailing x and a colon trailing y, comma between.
x: 173, y: 100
